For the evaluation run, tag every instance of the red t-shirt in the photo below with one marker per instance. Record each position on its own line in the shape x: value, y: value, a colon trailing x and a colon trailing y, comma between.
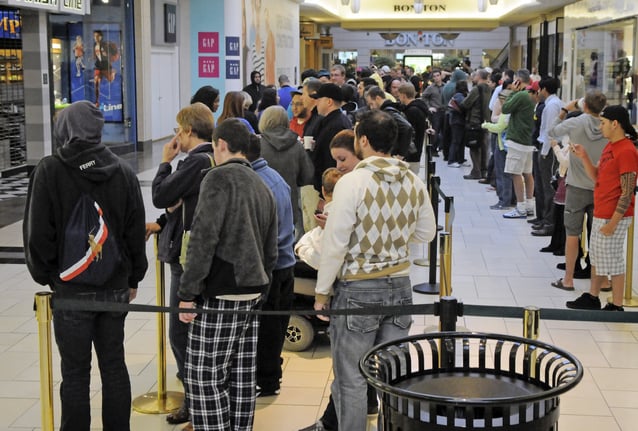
x: 617, y: 158
x: 296, y: 127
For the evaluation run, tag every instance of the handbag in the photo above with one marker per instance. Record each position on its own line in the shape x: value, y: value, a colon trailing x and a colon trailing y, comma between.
x: 186, y: 235
x: 474, y: 134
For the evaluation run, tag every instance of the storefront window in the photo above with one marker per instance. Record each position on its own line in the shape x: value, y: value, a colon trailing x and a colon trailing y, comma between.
x: 12, y: 137
x: 89, y: 62
x: 605, y: 60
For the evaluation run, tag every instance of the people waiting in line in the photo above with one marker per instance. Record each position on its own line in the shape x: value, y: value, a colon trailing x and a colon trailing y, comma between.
x: 229, y: 263
x: 177, y: 192
x: 614, y: 199
x: 367, y: 275
x: 283, y: 151
x: 579, y: 199
x: 280, y: 295
x: 83, y: 164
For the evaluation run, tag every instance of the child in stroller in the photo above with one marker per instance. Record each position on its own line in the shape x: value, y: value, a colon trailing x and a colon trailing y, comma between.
x: 302, y: 329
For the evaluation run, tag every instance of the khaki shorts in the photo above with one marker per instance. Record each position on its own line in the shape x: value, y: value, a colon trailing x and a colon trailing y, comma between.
x: 518, y: 162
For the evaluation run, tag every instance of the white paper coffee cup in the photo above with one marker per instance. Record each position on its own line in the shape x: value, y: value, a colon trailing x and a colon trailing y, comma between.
x: 308, y: 142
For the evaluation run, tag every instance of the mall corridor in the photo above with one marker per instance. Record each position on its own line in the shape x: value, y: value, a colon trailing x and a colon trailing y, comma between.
x: 495, y: 261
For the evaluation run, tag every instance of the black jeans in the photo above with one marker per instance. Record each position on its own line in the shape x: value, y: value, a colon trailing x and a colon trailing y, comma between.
x: 76, y: 332
x: 272, y: 329
x: 177, y: 330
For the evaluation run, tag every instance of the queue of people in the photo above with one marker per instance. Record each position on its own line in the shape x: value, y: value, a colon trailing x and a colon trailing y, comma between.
x: 332, y: 176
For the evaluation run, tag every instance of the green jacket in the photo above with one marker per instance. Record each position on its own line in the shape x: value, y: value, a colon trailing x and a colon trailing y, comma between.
x: 521, y: 108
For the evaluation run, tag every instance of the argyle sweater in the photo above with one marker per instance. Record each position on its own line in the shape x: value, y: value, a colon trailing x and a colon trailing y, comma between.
x: 376, y: 210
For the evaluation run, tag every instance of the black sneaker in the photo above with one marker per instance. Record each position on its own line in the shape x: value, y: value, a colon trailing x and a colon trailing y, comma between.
x: 266, y: 392
x: 613, y: 307
x: 584, y: 302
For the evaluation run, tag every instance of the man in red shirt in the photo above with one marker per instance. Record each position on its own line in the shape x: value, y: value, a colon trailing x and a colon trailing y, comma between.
x: 299, y: 113
x: 615, y: 177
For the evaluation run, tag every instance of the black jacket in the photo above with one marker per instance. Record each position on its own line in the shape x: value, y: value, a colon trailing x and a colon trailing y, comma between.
x: 405, y: 135
x: 169, y: 187
x: 53, y: 193
x: 255, y: 91
x: 416, y: 112
x: 327, y: 128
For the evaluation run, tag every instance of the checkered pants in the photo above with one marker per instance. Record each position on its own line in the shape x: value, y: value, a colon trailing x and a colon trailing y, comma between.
x: 220, y: 367
x: 607, y: 253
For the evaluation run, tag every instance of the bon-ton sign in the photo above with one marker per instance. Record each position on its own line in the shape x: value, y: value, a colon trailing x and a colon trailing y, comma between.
x: 426, y: 8
x: 78, y: 7
x: 419, y: 39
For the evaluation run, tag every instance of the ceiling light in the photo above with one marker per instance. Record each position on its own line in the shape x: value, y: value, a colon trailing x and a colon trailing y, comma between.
x: 492, y: 2
x: 355, y: 6
x: 346, y: 2
x: 482, y: 5
x: 418, y: 6
x: 388, y: 35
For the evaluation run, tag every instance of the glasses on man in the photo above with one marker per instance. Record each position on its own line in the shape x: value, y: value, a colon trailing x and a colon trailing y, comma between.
x: 177, y: 130
x: 297, y: 104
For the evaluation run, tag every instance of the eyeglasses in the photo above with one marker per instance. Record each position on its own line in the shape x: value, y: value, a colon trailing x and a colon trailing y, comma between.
x: 177, y: 130
x: 297, y: 104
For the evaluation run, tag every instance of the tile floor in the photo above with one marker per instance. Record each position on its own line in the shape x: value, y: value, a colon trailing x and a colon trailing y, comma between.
x: 495, y: 261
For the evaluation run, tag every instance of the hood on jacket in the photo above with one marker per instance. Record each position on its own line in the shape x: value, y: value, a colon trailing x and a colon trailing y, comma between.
x: 591, y: 127
x: 418, y: 103
x: 458, y: 75
x: 386, y: 169
x: 280, y: 138
x: 78, y: 135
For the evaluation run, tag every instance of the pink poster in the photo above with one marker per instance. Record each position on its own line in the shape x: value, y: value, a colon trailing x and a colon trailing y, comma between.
x: 208, y: 67
x: 208, y: 42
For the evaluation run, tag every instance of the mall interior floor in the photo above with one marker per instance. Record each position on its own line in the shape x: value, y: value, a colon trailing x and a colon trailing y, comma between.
x: 495, y: 261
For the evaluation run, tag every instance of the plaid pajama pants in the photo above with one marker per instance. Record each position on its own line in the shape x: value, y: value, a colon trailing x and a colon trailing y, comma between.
x: 220, y: 367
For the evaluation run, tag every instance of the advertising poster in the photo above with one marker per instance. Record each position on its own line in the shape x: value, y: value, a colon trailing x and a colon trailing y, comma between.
x: 95, y: 72
x: 270, y: 39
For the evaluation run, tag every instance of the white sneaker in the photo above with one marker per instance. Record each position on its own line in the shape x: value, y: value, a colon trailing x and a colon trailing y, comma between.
x: 515, y: 214
x: 454, y: 165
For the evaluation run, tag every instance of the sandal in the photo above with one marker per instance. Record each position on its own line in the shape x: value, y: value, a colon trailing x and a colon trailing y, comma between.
x: 559, y: 284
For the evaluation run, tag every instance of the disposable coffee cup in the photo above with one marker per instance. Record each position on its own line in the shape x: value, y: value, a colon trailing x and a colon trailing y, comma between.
x: 308, y: 142
x: 581, y: 104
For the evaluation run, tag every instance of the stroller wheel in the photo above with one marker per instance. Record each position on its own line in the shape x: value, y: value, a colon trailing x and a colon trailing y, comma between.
x: 299, y: 335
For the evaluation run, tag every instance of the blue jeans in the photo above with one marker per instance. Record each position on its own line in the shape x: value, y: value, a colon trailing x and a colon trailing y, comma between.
x: 504, y: 187
x: 352, y: 336
x: 76, y: 332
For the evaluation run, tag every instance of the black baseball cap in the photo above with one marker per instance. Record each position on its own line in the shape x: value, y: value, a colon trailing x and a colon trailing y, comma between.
x: 617, y: 113
x: 330, y: 90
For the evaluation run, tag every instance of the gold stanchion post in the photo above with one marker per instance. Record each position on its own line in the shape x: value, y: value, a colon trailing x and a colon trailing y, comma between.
x: 531, y: 323
x: 44, y: 317
x: 445, y: 259
x: 628, y: 301
x: 161, y: 401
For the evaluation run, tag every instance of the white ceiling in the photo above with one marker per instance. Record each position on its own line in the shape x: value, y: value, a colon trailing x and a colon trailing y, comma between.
x: 439, y: 14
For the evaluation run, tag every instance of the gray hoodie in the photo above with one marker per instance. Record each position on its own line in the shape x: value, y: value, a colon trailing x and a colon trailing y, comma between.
x: 283, y: 152
x: 583, y: 130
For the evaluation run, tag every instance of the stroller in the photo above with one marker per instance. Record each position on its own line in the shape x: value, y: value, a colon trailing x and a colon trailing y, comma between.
x: 302, y: 328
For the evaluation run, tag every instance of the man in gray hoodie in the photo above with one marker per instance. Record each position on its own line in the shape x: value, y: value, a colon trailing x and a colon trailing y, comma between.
x: 579, y: 200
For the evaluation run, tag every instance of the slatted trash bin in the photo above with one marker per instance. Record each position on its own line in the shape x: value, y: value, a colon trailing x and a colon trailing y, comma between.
x: 474, y: 381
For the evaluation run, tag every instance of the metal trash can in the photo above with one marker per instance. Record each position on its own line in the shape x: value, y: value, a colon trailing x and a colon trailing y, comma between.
x: 463, y: 380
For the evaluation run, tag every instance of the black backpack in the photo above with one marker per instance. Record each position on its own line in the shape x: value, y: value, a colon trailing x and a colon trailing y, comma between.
x: 91, y: 254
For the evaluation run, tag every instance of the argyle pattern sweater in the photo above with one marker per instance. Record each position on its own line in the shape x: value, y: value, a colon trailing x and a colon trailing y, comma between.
x: 377, y: 209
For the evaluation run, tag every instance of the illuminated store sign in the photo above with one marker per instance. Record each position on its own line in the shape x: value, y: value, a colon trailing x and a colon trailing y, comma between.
x: 426, y: 8
x: 78, y: 7
x: 419, y: 39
